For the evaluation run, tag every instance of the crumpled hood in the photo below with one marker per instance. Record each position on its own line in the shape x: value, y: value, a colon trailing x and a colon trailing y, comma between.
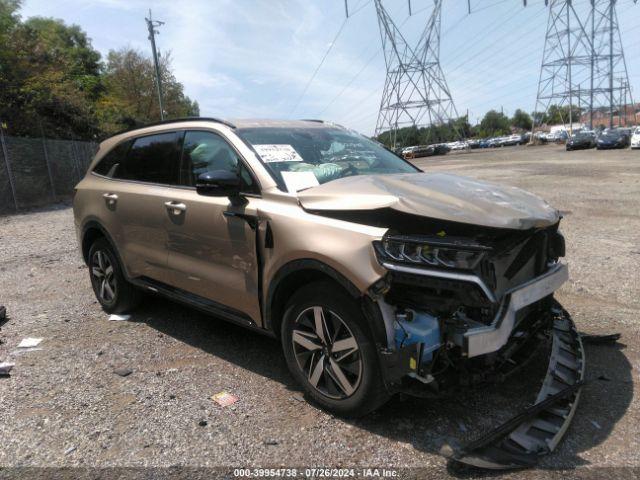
x: 435, y: 195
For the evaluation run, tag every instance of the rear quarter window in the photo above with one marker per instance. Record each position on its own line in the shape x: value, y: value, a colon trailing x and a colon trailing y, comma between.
x: 113, y: 159
x: 153, y: 159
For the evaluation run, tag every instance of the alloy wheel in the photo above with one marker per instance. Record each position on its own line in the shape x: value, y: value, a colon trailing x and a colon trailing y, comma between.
x: 103, y: 275
x: 327, y: 352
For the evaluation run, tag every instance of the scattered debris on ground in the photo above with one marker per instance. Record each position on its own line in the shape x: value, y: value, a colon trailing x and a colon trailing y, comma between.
x: 5, y: 368
x: 29, y: 342
x: 224, y: 399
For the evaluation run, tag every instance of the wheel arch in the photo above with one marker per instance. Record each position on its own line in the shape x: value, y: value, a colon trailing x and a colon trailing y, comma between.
x: 298, y: 273
x: 290, y: 278
x: 92, y: 230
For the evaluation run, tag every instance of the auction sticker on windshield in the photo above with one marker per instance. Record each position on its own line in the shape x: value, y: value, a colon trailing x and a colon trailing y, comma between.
x: 278, y: 153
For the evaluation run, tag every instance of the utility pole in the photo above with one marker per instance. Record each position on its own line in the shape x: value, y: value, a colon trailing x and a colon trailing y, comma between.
x: 151, y: 26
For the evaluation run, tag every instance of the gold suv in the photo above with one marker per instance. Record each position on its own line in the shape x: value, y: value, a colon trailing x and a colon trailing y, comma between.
x: 376, y: 277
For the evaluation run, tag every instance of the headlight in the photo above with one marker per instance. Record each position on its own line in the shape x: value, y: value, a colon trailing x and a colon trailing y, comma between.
x: 431, y: 252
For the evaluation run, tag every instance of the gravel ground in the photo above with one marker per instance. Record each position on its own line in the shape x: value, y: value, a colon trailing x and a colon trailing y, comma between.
x: 64, y: 406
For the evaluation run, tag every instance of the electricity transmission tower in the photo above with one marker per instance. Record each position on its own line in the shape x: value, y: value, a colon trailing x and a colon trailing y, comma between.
x: 151, y: 26
x: 583, y: 65
x: 415, y: 91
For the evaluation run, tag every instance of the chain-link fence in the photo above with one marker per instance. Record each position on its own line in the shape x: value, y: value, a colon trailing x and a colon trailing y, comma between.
x: 37, y: 171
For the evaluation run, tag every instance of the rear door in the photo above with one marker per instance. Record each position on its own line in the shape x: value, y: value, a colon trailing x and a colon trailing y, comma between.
x: 212, y: 247
x: 141, y: 187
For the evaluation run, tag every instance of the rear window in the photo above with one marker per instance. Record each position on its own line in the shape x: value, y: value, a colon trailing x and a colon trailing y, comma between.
x: 154, y: 159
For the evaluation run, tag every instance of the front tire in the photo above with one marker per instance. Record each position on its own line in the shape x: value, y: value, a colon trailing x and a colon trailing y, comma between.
x: 112, y: 290
x: 329, y: 352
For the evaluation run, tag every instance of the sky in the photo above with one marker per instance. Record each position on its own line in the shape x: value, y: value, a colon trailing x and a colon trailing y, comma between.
x: 256, y: 58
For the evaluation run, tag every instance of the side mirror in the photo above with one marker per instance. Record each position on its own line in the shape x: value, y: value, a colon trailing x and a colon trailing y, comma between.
x: 218, y: 183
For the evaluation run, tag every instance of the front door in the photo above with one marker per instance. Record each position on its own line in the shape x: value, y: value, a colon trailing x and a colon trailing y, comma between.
x: 212, y: 250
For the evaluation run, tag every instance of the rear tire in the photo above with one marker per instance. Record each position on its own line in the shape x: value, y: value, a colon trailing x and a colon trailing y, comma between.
x: 329, y: 352
x: 112, y: 290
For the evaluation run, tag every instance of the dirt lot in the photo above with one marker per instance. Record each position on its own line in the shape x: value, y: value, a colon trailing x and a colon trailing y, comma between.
x: 65, y: 406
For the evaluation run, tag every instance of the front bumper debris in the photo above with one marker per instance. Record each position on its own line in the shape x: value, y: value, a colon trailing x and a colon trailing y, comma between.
x: 536, y: 431
x: 490, y: 338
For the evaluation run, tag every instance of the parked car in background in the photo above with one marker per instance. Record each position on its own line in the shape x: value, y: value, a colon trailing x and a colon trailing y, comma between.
x: 626, y: 130
x: 458, y: 145
x: 541, y: 137
x: 612, y: 138
x: 511, y: 140
x: 635, y: 138
x: 440, y: 148
x: 581, y: 141
x: 494, y: 142
x: 418, y: 151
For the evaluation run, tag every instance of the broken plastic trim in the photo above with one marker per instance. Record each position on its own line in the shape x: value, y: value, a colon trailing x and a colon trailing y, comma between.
x: 537, y: 431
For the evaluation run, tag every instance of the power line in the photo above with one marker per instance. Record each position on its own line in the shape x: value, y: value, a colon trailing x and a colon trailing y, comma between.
x: 324, y: 57
x: 349, y: 83
x: 377, y: 52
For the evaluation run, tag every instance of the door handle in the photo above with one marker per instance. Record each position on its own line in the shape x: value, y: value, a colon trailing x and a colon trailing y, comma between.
x: 176, y: 207
x: 110, y: 198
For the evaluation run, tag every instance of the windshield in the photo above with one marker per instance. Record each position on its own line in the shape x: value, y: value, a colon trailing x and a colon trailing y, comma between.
x: 300, y: 158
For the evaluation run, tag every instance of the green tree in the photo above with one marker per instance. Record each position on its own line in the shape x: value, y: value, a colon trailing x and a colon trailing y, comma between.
x: 130, y: 92
x: 521, y: 120
x: 556, y: 115
x: 9, y: 22
x: 494, y: 123
x: 51, y: 76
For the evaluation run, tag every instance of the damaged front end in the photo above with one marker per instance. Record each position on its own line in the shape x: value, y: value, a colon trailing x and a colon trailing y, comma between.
x: 463, y: 310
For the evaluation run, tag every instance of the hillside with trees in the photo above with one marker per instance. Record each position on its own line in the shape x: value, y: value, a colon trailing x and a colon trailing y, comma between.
x: 52, y: 80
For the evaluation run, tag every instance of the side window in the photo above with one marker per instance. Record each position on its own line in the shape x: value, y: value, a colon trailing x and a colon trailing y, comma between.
x: 153, y: 158
x: 205, y: 152
x: 112, y: 160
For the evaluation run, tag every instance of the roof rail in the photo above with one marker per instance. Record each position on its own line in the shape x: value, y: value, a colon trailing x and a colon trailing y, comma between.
x: 312, y: 120
x: 176, y: 120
